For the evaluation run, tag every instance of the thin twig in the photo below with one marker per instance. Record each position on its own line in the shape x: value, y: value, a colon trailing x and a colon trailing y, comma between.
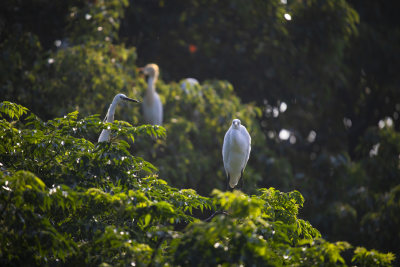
x: 215, y: 214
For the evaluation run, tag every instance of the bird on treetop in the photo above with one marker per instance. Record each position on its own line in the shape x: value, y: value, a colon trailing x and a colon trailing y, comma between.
x: 105, y: 134
x: 236, y: 152
x: 152, y: 106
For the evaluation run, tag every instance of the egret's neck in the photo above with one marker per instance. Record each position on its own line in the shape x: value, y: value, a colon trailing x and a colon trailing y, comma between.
x: 111, y: 111
x: 152, y: 84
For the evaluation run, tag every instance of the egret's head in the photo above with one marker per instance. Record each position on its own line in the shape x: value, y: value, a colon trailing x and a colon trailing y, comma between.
x: 150, y: 70
x: 236, y: 124
x: 121, y: 97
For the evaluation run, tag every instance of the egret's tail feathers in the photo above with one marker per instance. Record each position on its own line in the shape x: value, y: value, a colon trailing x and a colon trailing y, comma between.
x: 234, y: 179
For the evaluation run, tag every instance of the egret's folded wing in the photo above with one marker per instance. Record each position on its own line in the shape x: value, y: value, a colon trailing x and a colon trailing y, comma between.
x: 225, y: 148
x: 104, y: 136
x: 248, y: 143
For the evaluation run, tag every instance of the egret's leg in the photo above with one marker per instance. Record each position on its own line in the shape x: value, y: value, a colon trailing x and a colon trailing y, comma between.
x: 241, y: 181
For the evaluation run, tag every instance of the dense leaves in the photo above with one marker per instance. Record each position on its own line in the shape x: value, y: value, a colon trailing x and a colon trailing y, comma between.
x: 321, y: 103
x: 98, y: 204
x: 324, y: 74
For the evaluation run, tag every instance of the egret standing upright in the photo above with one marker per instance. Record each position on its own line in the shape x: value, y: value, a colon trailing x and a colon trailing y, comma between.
x: 236, y: 152
x: 105, y: 134
x: 152, y: 106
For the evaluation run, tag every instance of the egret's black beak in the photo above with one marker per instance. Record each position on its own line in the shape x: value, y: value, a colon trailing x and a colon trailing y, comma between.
x: 130, y: 99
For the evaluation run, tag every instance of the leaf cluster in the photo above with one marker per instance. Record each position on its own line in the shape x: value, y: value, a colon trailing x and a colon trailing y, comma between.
x: 99, y: 204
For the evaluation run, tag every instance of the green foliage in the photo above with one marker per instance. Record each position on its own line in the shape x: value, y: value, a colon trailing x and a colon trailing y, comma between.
x: 85, y: 64
x: 95, y: 21
x: 332, y: 65
x: 364, y: 194
x: 25, y: 232
x: 12, y: 110
x: 253, y: 232
x: 98, y: 204
x: 96, y: 71
x: 86, y: 78
x: 119, y: 194
x: 371, y: 258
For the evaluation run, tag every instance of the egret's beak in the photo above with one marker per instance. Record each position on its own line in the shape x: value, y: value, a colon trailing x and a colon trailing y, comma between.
x: 141, y: 69
x: 130, y: 99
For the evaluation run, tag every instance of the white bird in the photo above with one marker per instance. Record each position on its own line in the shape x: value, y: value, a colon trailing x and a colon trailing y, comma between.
x: 187, y: 83
x: 105, y: 134
x: 236, y: 152
x: 152, y: 106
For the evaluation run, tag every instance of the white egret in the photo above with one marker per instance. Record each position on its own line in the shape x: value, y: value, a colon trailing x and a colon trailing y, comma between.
x: 236, y: 152
x: 187, y: 83
x: 152, y: 106
x: 105, y: 134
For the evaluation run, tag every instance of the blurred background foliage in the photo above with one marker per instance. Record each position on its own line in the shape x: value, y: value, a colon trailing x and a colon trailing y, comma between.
x: 315, y: 83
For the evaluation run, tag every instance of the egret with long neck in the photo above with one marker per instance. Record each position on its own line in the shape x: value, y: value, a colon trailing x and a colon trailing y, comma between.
x: 105, y: 134
x: 152, y: 106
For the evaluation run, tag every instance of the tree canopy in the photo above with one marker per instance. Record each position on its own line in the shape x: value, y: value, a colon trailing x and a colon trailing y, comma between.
x: 314, y: 82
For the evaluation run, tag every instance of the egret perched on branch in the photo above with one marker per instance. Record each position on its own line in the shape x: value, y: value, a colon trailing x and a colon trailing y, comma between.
x: 236, y: 152
x: 105, y: 134
x: 152, y: 106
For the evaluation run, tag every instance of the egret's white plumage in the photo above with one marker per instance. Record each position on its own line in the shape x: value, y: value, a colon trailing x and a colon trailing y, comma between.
x: 152, y: 106
x: 236, y: 151
x: 105, y: 134
x: 187, y: 83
